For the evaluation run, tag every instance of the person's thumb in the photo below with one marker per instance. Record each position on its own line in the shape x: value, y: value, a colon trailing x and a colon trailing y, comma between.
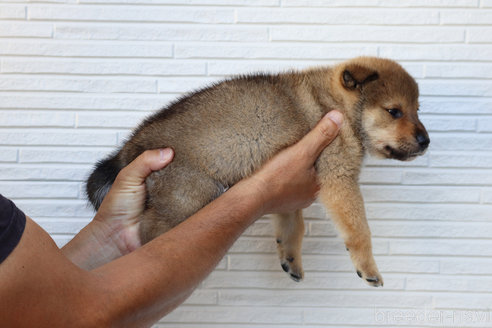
x: 322, y: 134
x: 146, y: 163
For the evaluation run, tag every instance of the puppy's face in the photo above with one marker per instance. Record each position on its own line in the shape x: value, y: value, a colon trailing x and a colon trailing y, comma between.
x: 388, y: 99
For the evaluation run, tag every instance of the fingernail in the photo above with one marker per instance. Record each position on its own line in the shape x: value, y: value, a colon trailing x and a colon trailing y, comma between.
x: 165, y: 154
x: 336, y: 117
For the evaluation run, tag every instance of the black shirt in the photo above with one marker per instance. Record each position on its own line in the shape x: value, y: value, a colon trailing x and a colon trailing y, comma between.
x: 12, y: 224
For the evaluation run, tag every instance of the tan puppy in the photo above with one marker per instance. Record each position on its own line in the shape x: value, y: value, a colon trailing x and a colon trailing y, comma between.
x: 225, y: 132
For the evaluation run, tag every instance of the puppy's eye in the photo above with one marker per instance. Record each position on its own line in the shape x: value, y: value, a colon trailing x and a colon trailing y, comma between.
x: 395, y: 112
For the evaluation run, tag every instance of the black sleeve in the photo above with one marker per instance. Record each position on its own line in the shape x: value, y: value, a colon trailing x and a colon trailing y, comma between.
x: 12, y: 224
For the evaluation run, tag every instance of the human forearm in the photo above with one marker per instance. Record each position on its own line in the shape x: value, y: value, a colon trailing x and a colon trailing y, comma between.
x: 171, y: 266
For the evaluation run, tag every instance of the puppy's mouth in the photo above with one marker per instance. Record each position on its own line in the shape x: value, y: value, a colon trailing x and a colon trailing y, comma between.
x: 401, y: 155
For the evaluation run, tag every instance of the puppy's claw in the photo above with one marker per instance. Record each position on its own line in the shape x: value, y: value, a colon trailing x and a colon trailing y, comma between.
x: 296, y: 275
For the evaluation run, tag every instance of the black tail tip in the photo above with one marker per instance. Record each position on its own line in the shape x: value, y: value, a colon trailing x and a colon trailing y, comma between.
x: 101, y: 180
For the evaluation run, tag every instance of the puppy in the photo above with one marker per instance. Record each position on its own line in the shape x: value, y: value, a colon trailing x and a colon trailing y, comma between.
x: 223, y: 133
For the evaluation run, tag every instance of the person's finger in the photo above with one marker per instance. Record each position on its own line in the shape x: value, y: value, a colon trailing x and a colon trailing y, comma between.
x: 321, y: 135
x: 144, y: 164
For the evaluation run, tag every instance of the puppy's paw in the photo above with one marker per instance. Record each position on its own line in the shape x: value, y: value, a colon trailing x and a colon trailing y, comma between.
x: 293, y: 269
x: 366, y: 268
x: 290, y: 260
x: 374, y: 279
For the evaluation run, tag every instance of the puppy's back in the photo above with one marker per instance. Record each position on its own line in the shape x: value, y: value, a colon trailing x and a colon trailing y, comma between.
x: 228, y: 129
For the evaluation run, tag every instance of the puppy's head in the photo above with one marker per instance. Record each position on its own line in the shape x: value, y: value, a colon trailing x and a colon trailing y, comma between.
x: 387, y: 97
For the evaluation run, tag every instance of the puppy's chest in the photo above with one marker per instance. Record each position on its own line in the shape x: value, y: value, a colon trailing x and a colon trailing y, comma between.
x: 343, y: 157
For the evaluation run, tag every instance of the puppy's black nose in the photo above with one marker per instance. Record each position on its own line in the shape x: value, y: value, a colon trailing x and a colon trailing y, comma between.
x: 423, y: 140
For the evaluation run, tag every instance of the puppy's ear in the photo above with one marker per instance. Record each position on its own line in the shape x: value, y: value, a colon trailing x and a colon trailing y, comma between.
x: 356, y: 76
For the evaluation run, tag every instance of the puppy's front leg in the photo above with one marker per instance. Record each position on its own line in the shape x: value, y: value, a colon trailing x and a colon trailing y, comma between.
x: 342, y: 196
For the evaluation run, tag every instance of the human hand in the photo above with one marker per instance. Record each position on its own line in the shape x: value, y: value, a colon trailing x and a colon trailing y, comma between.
x: 120, y: 210
x: 288, y: 181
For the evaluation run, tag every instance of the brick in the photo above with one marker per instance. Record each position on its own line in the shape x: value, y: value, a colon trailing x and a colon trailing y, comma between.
x: 406, y: 265
x: 468, y: 17
x: 468, y: 106
x: 45, y: 172
x: 110, y: 119
x: 332, y: 263
x: 460, y: 266
x: 61, y: 240
x: 131, y: 14
x: 449, y: 124
x: 8, y: 155
x: 40, y: 137
x: 462, y: 141
x: 430, y: 317
x: 461, y: 160
x: 184, y: 85
x: 31, y: 30
x: 455, y: 88
x: 380, y: 176
x: 381, y: 3
x: 260, y: 228
x: 315, y: 211
x: 368, y: 34
x: 107, y: 49
x: 61, y: 226
x: 279, y: 280
x: 232, y: 67
x: 424, y: 229
x: 436, y: 52
x: 446, y: 283
x: 55, y: 208
x: 459, y: 70
x: 25, y: 190
x: 487, y: 196
x: 84, y: 102
x: 421, y: 211
x: 254, y: 315
x: 480, y: 34
x: 12, y: 11
x: 102, y: 67
x: 256, y: 3
x: 202, y: 297
x: 484, y: 125
x: 455, y: 247
x: 461, y: 177
x: 420, y: 194
x: 57, y: 155
x: 337, y: 16
x: 78, y: 85
x: 161, y: 32
x: 271, y: 51
x: 10, y: 118
x: 319, y: 299
x: 322, y: 229
x: 460, y: 301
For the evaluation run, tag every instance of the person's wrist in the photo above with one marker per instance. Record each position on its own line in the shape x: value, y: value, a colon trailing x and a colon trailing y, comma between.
x: 114, y: 235
x: 258, y: 189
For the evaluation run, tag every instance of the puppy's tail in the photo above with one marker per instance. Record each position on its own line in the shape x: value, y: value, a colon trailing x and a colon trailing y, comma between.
x: 101, y: 179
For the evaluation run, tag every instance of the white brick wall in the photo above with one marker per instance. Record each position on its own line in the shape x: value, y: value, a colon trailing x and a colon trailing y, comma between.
x: 76, y: 76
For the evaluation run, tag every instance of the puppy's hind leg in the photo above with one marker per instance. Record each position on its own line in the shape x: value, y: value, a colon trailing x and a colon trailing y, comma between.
x: 175, y: 193
x: 289, y: 231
